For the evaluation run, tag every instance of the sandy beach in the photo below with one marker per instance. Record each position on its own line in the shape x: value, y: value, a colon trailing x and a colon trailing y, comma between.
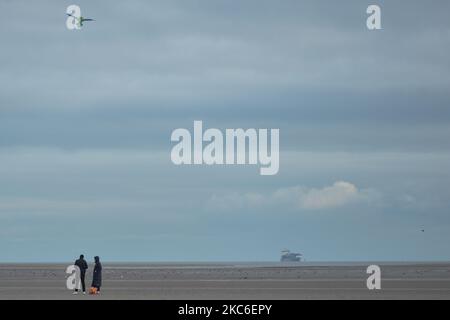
x: 231, y: 281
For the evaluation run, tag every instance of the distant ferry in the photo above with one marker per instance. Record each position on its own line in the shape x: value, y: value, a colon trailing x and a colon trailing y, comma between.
x: 288, y: 256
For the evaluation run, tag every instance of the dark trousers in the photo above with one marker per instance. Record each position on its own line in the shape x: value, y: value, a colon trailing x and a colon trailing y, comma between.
x: 83, y: 285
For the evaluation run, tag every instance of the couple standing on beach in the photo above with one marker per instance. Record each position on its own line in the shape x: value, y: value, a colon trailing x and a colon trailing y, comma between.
x: 96, y: 277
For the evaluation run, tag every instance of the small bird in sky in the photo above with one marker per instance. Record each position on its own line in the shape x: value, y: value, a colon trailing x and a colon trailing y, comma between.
x: 80, y: 20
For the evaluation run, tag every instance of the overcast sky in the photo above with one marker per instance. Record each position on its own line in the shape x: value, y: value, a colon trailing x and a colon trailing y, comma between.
x: 86, y: 118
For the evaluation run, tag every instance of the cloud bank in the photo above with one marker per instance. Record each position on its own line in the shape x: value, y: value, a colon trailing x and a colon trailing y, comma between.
x: 339, y: 194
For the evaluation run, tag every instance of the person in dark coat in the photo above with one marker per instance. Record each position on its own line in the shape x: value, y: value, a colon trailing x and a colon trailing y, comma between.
x: 82, y: 265
x: 97, y: 276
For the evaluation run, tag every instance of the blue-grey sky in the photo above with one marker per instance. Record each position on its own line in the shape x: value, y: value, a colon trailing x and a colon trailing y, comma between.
x: 86, y: 118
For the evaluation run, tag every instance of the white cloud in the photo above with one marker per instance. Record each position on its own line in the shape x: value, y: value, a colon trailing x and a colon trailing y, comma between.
x: 339, y: 194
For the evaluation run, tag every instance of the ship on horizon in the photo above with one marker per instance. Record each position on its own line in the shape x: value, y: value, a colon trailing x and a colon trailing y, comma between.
x: 288, y: 256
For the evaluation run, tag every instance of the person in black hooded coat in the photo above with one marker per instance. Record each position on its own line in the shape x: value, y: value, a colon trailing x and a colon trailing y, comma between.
x: 97, y: 276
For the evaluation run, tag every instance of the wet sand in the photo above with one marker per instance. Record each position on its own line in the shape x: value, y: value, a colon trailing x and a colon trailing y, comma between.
x: 231, y: 281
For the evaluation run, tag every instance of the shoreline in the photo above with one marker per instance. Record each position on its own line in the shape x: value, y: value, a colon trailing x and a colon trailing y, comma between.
x: 224, y: 281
